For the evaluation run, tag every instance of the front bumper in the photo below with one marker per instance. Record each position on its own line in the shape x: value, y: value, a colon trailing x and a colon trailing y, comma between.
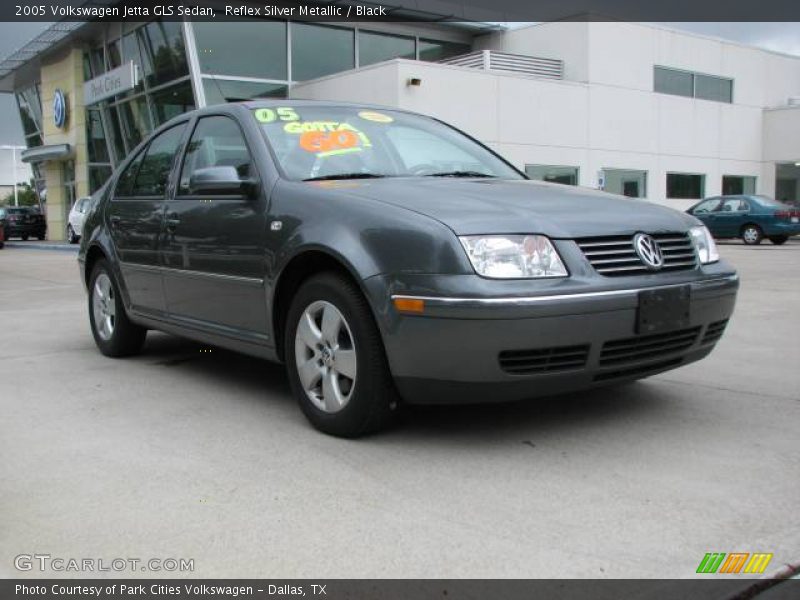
x: 483, y: 349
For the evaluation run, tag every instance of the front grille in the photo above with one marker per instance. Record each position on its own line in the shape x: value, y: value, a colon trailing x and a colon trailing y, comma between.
x: 544, y: 360
x: 615, y: 255
x: 646, y: 347
x: 714, y: 332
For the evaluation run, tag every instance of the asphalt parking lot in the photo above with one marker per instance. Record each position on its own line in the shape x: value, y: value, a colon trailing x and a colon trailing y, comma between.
x: 190, y: 453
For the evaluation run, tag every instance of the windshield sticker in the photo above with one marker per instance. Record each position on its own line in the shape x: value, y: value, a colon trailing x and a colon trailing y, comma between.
x: 375, y: 117
x: 283, y: 113
x: 328, y: 138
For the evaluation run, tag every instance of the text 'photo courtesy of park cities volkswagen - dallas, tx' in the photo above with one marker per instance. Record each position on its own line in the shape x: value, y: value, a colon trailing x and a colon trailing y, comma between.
x: 387, y: 258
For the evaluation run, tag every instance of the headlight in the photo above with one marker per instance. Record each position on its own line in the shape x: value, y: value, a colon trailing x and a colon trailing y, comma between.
x: 513, y: 256
x: 704, y: 244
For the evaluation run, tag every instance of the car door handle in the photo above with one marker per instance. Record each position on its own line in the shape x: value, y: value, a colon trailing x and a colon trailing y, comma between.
x: 172, y: 221
x: 114, y: 220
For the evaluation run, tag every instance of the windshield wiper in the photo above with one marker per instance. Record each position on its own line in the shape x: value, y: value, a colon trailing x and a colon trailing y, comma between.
x: 460, y: 174
x: 346, y: 176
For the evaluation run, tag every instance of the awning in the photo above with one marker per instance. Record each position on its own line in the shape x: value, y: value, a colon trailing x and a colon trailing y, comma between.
x: 42, y: 153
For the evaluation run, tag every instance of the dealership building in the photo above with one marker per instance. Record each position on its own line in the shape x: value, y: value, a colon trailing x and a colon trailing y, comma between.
x: 634, y: 109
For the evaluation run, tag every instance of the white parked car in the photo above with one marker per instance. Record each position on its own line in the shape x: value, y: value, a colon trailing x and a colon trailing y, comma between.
x: 77, y: 215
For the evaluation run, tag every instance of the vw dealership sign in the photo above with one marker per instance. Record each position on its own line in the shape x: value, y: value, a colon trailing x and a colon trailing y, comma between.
x: 60, y: 109
x: 110, y: 84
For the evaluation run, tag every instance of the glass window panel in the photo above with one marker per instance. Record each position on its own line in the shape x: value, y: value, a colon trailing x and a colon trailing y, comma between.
x: 738, y: 185
x: 126, y: 179
x: 114, y: 55
x: 163, y: 50
x: 153, y: 175
x: 243, y: 48
x: 319, y: 50
x: 98, y: 175
x: 626, y: 182
x: 671, y: 81
x: 553, y: 173
x: 131, y: 51
x: 172, y: 101
x: 134, y: 117
x: 685, y: 186
x: 115, y: 133
x: 87, y: 67
x: 30, y: 109
x: 216, y: 142
x: 219, y: 91
x: 98, y: 61
x: 377, y: 47
x: 96, y: 146
x: 713, y: 88
x: 432, y: 50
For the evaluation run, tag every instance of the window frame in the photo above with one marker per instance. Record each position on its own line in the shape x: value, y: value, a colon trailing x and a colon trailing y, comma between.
x: 256, y: 176
x: 142, y: 152
x: 702, y: 185
x: 694, y: 75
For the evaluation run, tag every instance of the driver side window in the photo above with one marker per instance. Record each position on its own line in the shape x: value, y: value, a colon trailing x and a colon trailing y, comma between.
x: 707, y: 206
x: 216, y: 142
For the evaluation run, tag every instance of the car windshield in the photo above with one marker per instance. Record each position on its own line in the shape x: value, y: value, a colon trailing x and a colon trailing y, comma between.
x: 342, y: 142
x: 17, y: 211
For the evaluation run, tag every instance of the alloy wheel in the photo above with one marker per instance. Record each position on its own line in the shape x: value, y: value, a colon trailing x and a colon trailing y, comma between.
x: 104, y: 307
x: 326, y: 356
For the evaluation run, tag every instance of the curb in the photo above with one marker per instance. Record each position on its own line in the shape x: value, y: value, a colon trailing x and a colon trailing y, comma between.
x: 43, y: 246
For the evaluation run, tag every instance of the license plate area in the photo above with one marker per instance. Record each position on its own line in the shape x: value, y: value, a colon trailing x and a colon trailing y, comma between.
x: 664, y: 309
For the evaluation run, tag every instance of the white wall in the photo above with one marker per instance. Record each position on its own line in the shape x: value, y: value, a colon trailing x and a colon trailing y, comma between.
x: 613, y: 121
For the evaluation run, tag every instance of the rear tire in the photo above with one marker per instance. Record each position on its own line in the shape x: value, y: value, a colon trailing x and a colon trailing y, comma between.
x: 24, y: 237
x: 752, y: 235
x: 778, y: 239
x: 335, y: 358
x: 114, y: 334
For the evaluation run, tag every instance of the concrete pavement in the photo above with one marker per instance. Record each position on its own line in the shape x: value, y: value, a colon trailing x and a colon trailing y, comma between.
x: 189, y: 453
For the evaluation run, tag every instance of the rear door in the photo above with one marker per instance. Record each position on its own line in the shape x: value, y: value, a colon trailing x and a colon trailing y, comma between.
x: 135, y: 218
x: 213, y: 244
x: 730, y: 216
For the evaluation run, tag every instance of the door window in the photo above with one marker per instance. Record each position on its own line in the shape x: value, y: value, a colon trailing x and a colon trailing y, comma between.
x: 736, y: 205
x: 153, y: 175
x: 706, y: 206
x: 216, y: 142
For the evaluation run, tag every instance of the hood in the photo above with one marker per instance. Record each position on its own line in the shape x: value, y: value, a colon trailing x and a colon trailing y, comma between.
x: 476, y: 206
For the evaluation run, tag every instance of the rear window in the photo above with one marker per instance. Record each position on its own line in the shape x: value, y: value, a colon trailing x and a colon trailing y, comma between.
x: 771, y: 202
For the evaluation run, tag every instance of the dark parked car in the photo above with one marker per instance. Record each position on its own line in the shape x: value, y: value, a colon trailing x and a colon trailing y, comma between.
x: 2, y: 227
x: 385, y: 256
x: 25, y: 222
x: 751, y: 218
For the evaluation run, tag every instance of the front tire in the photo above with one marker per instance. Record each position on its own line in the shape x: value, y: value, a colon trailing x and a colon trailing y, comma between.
x: 752, y: 235
x: 335, y: 359
x: 71, y: 237
x: 778, y: 239
x: 114, y: 334
x: 24, y: 237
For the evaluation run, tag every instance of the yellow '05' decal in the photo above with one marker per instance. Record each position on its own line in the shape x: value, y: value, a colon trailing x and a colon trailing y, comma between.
x: 283, y: 113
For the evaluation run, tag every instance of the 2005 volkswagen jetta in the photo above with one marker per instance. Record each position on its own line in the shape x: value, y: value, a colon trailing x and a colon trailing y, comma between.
x: 385, y: 256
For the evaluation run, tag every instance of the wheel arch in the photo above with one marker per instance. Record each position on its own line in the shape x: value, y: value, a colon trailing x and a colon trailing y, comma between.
x: 304, y: 264
x: 93, y: 254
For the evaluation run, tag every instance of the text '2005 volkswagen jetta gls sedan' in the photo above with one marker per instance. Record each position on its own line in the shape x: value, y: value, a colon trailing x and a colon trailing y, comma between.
x: 385, y: 257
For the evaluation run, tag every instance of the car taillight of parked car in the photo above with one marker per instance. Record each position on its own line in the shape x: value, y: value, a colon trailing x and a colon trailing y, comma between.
x: 787, y: 214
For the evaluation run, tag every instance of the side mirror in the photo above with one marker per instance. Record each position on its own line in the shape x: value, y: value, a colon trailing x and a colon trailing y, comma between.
x: 223, y: 181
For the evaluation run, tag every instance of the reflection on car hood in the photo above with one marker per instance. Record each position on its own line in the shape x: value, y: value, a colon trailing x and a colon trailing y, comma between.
x: 474, y: 206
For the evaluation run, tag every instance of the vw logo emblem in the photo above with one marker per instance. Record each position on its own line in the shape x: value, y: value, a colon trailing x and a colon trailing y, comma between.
x: 649, y: 251
x: 59, y: 109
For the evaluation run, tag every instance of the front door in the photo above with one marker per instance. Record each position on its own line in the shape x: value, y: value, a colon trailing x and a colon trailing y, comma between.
x: 213, y: 245
x: 135, y: 217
